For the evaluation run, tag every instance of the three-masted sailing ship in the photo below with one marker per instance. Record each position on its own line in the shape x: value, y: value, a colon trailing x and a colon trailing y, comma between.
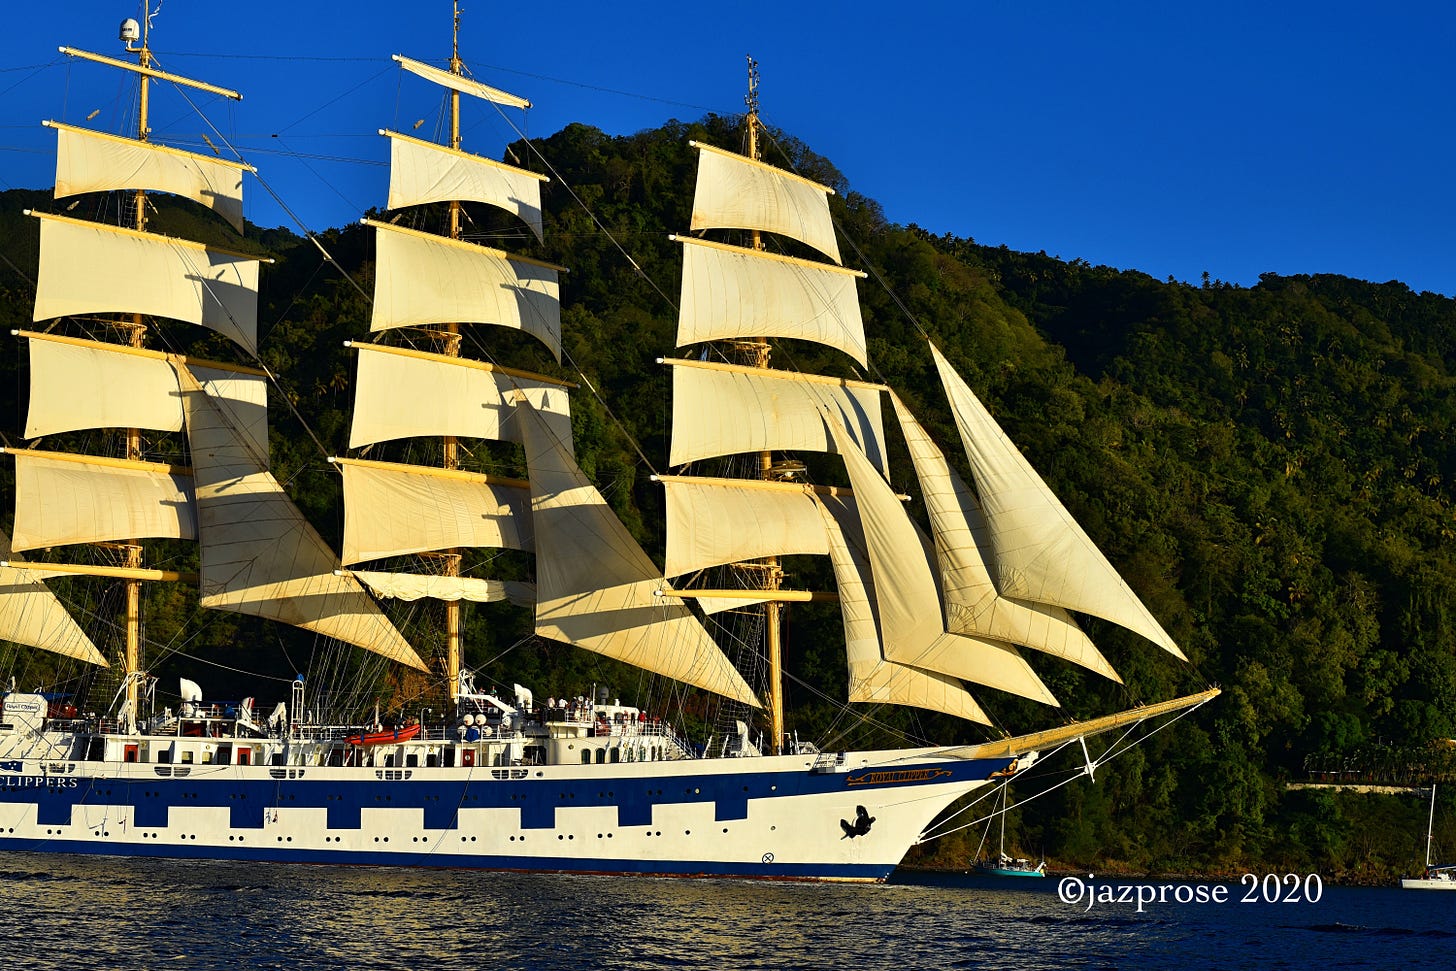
x: 579, y: 785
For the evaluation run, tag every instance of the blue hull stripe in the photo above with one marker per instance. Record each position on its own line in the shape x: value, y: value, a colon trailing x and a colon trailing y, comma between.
x: 151, y: 800
x: 543, y: 864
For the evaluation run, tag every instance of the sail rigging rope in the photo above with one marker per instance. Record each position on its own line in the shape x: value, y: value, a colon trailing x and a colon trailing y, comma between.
x: 1110, y: 753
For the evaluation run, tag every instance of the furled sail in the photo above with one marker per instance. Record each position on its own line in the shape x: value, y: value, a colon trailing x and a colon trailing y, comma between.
x: 420, y: 278
x: 259, y: 556
x: 90, y: 161
x: 730, y: 292
x: 403, y: 393
x: 30, y: 614
x: 416, y: 586
x: 736, y: 192
x: 872, y: 679
x: 391, y: 510
x: 972, y: 605
x: 724, y: 409
x: 462, y: 84
x: 907, y: 595
x: 93, y: 268
x: 595, y: 586
x: 421, y: 172
x: 1040, y: 552
x: 715, y: 521
x: 62, y: 499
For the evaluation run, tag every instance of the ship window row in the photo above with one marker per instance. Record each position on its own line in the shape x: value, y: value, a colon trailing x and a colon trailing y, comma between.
x: 650, y: 753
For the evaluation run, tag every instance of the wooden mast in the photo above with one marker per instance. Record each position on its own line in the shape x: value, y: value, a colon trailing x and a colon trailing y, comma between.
x: 132, y: 658
x: 450, y: 337
x: 772, y: 569
x: 132, y: 571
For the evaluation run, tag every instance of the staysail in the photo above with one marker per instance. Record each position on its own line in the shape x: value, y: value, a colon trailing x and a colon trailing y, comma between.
x: 972, y: 605
x: 259, y: 555
x: 1042, y: 554
x: 598, y: 590
x: 30, y: 614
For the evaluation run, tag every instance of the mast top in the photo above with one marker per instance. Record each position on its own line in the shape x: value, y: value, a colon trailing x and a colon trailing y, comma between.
x: 455, y: 63
x: 751, y: 100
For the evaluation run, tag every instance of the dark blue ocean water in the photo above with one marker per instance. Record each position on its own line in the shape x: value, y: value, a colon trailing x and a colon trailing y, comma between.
x: 88, y: 913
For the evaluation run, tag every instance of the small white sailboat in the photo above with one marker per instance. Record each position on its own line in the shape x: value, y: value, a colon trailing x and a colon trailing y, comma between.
x: 1439, y: 876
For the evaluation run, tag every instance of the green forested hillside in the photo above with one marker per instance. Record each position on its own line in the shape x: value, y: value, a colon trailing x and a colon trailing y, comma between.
x: 1269, y: 467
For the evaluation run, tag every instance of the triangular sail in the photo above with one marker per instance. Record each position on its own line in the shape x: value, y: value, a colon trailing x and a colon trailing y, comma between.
x: 907, y: 595
x: 30, y: 614
x: 597, y: 589
x: 1041, y: 553
x: 259, y: 556
x: 972, y: 605
x: 872, y: 679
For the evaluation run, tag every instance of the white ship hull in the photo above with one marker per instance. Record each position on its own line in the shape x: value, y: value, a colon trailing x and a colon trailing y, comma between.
x: 768, y: 817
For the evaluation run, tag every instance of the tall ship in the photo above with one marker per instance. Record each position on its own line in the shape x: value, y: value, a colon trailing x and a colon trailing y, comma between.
x: 174, y: 450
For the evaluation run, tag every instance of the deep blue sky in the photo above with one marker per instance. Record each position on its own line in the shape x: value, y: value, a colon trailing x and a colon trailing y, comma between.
x: 1175, y: 138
